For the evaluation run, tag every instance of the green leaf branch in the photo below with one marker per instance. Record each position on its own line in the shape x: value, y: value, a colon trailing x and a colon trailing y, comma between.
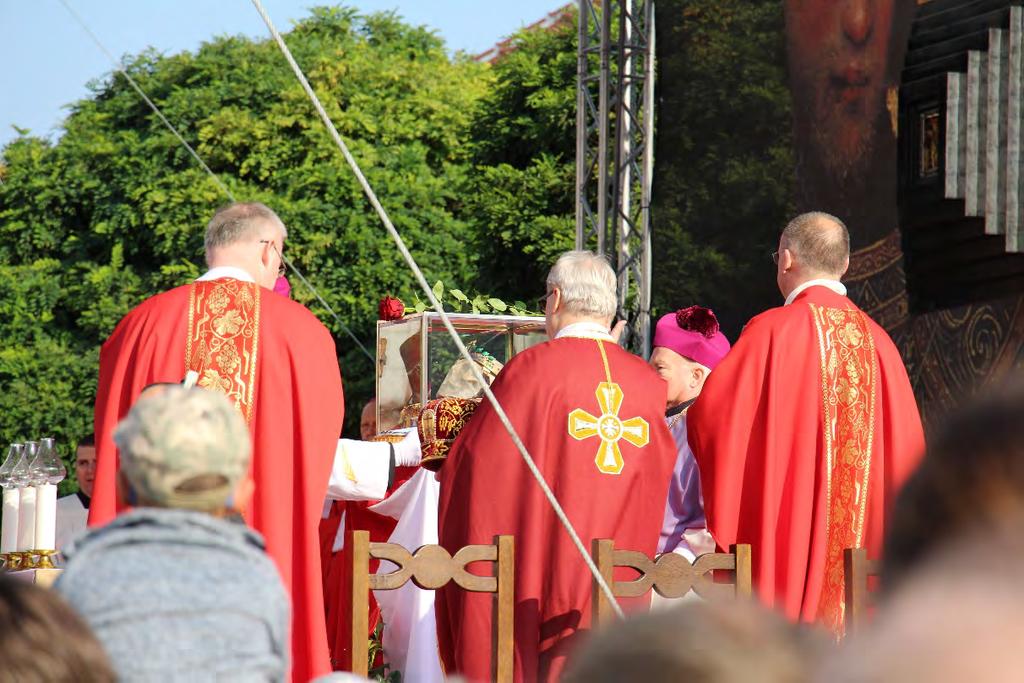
x: 457, y: 301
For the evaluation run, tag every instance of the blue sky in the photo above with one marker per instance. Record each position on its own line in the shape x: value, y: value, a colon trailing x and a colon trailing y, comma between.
x: 48, y: 58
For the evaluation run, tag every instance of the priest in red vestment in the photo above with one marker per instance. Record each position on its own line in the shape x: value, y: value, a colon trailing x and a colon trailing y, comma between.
x: 364, y: 473
x: 806, y: 430
x: 278, y: 364
x: 331, y: 530
x: 591, y: 415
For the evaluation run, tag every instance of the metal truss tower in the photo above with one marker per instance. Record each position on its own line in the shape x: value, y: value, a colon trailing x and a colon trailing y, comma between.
x: 615, y: 150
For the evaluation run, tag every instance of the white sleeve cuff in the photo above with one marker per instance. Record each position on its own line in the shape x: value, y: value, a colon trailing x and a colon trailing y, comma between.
x: 360, y: 471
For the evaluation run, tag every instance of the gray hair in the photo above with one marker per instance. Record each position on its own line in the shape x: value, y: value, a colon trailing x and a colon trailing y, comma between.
x: 586, y: 282
x: 242, y: 220
x: 820, y: 240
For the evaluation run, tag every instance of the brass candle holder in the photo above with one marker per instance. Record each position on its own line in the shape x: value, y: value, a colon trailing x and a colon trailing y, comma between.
x: 29, y: 559
x: 43, y: 559
x: 13, y: 561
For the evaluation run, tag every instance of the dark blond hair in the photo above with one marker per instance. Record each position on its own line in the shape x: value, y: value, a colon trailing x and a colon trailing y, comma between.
x: 44, y: 641
x: 820, y: 241
x: 235, y: 222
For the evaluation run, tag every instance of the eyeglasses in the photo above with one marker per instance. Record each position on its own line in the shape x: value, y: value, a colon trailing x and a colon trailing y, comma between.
x: 775, y: 257
x: 281, y: 269
x: 542, y: 302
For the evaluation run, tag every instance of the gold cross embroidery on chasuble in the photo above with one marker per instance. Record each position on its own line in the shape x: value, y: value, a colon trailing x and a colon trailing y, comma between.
x: 607, y: 425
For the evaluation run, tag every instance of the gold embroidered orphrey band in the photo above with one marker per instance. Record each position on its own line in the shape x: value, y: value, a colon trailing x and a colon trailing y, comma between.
x: 849, y: 374
x: 223, y: 334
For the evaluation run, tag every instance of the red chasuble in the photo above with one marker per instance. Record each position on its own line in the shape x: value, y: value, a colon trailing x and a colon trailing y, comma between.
x: 803, y: 436
x: 328, y: 531
x: 279, y: 365
x: 592, y: 416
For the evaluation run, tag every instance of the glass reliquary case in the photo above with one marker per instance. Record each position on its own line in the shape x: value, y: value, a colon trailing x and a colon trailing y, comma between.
x: 417, y: 360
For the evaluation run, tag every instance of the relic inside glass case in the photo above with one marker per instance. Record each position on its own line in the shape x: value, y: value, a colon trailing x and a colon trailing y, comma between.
x: 417, y: 360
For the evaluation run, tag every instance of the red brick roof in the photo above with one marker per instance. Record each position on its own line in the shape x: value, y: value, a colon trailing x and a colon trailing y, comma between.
x: 559, y: 17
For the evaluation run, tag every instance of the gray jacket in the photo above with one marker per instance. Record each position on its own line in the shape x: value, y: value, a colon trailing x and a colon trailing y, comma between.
x: 176, y: 595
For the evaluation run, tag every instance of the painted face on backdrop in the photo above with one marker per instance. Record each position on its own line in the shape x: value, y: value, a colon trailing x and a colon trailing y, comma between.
x: 839, y: 53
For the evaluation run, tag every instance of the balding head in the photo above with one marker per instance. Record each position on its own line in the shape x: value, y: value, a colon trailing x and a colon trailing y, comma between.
x: 239, y: 222
x: 247, y: 235
x: 368, y: 420
x: 813, y: 245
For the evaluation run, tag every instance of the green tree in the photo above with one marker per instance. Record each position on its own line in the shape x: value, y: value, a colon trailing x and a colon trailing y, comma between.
x: 723, y: 159
x: 46, y: 376
x: 114, y: 210
x: 474, y: 162
x: 520, y: 197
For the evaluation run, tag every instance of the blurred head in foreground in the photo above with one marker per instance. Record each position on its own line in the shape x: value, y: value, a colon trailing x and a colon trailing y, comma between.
x: 44, y: 641
x: 970, y: 481
x: 707, y: 642
x: 186, y: 449
x: 957, y: 617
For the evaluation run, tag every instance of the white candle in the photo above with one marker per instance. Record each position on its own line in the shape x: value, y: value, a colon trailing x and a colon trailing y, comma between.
x: 27, y: 519
x: 9, y: 535
x: 46, y: 517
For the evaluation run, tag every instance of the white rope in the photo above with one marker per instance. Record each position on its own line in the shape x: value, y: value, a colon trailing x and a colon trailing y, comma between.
x: 372, y: 197
x: 121, y: 70
x: 224, y: 188
x: 344, y: 327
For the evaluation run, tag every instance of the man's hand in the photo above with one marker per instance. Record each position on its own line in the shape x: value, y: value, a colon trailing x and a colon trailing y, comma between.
x: 617, y: 330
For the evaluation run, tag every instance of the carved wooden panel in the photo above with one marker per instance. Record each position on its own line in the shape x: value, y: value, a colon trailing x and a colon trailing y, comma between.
x: 431, y: 567
x: 671, y: 575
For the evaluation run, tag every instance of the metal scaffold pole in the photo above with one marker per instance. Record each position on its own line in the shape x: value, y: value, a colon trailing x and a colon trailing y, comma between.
x: 614, y: 150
